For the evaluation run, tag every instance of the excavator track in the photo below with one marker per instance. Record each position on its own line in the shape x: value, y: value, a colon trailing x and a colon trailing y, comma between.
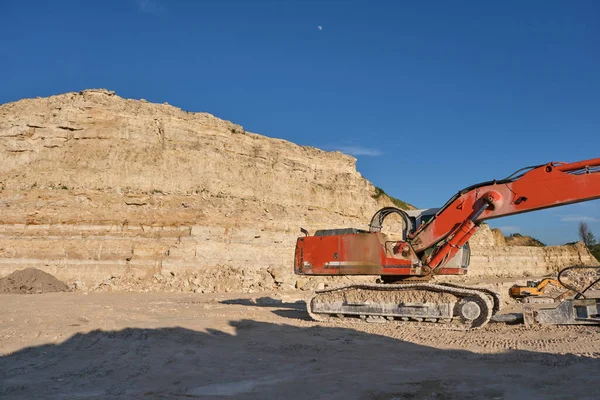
x: 495, y: 296
x: 456, y: 307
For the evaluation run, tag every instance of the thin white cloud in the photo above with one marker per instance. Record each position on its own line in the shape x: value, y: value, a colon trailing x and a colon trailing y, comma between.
x: 510, y: 229
x: 359, y: 151
x: 150, y: 6
x: 578, y: 218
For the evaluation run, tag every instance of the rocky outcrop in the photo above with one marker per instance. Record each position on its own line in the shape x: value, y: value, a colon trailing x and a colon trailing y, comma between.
x: 520, y: 240
x: 492, y: 256
x: 94, y: 186
x: 115, y: 193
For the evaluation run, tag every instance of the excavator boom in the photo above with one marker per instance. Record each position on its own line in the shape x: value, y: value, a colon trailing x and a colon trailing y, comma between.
x: 534, y: 188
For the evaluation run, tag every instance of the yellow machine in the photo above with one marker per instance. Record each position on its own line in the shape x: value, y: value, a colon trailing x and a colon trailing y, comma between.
x: 533, y: 288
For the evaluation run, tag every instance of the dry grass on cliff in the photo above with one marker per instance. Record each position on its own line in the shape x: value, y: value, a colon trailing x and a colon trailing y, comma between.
x: 517, y: 239
x: 397, y: 202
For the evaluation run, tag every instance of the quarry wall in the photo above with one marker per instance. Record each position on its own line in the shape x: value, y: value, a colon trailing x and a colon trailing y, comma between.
x: 120, y: 193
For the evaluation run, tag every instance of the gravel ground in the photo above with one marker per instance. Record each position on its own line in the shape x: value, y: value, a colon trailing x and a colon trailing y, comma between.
x: 153, y: 345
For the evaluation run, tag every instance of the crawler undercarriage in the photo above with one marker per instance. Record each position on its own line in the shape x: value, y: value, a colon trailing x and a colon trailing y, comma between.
x: 455, y: 306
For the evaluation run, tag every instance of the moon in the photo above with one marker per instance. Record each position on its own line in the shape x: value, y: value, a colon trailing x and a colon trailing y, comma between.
x: 320, y: 27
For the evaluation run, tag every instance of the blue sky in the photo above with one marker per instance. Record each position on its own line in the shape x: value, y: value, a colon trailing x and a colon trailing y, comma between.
x: 429, y: 96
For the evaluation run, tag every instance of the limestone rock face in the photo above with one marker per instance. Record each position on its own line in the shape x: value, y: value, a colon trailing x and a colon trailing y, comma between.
x: 139, y: 156
x: 95, y: 186
x: 114, y: 193
x: 492, y: 257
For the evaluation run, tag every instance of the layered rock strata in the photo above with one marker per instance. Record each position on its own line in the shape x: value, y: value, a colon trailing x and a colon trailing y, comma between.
x: 125, y: 194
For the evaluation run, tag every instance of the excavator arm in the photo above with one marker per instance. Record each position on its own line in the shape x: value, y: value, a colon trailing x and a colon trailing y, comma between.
x: 533, y: 188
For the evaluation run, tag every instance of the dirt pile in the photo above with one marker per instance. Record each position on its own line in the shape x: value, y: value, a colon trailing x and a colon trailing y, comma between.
x: 216, y: 280
x: 31, y: 281
x: 582, y: 278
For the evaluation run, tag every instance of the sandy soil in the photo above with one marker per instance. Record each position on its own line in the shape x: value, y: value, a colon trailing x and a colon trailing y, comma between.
x: 133, y: 345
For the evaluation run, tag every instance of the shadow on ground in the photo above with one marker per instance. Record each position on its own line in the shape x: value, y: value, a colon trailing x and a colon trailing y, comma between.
x: 266, y: 302
x: 270, y: 361
x: 295, y: 310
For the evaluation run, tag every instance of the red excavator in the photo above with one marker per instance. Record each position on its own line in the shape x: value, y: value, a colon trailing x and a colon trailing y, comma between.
x: 434, y: 242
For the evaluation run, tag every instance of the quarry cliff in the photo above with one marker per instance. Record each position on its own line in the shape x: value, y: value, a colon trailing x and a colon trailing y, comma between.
x: 97, y: 189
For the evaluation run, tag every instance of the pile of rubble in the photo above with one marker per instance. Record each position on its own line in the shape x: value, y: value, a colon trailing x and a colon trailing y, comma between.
x: 212, y: 280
